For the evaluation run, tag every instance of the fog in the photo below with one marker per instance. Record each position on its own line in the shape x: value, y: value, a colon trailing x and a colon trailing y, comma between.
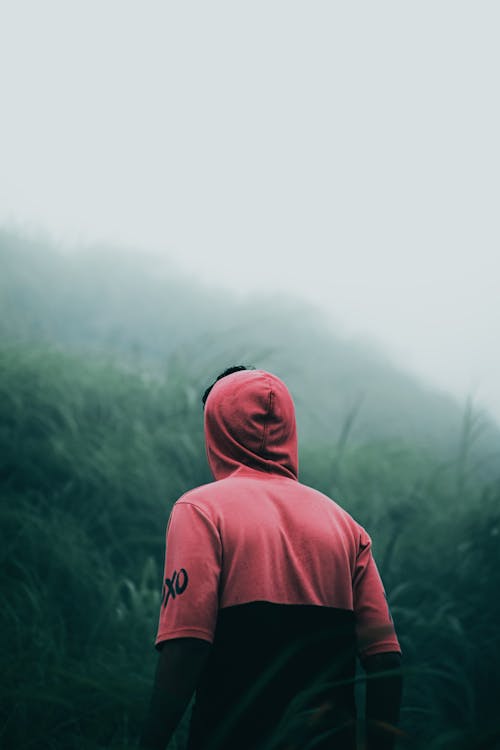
x: 345, y: 153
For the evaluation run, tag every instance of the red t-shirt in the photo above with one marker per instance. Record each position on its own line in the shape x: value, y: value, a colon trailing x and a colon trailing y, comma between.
x: 263, y: 566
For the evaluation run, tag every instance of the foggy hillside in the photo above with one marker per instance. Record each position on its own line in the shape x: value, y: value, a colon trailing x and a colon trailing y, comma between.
x: 103, y: 360
x: 143, y: 314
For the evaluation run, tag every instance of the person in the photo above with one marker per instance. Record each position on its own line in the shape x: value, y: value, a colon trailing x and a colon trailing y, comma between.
x: 270, y: 591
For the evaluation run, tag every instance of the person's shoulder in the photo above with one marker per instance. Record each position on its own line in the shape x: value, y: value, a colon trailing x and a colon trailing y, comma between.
x: 196, y: 493
x: 334, y: 508
x: 204, y: 497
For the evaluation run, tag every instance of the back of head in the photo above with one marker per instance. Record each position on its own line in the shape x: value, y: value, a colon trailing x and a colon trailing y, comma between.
x: 250, y: 424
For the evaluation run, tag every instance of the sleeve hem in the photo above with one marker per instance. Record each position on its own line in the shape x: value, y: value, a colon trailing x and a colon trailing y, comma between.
x: 380, y: 648
x: 167, y: 635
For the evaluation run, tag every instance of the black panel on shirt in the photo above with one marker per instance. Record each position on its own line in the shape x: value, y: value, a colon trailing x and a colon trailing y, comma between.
x: 263, y: 657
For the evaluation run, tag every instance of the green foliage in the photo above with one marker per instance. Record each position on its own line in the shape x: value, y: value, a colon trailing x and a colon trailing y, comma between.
x: 92, y: 457
x: 101, y: 431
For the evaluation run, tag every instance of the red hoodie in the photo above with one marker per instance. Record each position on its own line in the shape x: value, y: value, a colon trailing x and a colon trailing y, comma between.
x: 277, y: 576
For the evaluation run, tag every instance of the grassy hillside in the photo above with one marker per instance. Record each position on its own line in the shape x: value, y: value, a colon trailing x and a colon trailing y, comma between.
x: 91, y: 459
x: 142, y: 313
x: 100, y: 432
x: 92, y: 456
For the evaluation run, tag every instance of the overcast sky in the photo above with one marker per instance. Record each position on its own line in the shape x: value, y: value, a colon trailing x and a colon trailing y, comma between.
x: 345, y: 151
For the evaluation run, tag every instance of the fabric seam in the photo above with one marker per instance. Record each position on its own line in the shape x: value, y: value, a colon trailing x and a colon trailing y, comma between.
x: 202, y: 512
x: 266, y: 422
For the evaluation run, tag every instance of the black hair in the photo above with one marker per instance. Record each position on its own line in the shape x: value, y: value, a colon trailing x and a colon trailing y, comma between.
x: 229, y: 371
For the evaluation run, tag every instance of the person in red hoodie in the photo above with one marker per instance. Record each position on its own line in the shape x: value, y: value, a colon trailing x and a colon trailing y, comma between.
x: 270, y: 593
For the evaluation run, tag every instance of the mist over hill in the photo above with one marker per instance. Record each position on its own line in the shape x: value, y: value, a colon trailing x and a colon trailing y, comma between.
x: 103, y: 359
x: 141, y: 312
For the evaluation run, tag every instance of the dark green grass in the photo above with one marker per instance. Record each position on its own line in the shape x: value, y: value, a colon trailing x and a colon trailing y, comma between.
x: 93, y: 455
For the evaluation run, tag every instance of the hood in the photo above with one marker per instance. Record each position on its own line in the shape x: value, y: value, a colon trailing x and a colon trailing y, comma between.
x: 250, y: 423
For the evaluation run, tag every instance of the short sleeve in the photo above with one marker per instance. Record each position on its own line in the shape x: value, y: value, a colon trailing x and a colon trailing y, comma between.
x: 375, y: 630
x: 189, y: 603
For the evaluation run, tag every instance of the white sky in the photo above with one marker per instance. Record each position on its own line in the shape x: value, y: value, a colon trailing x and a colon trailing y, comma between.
x: 345, y: 151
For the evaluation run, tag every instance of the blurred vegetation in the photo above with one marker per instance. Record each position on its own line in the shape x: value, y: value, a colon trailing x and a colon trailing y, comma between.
x: 102, y: 366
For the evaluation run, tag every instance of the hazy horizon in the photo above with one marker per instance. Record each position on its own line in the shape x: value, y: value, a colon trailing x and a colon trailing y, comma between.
x: 344, y: 154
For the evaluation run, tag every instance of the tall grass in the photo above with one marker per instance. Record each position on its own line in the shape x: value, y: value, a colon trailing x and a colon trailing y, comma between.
x: 92, y: 457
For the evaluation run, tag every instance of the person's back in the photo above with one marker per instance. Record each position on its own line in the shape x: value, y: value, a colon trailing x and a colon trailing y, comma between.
x: 277, y: 577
